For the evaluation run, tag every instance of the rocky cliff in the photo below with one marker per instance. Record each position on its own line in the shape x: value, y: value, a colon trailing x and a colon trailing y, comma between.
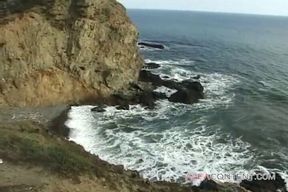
x: 64, y: 51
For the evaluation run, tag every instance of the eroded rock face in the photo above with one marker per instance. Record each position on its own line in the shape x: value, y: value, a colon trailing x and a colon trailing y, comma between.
x: 64, y: 51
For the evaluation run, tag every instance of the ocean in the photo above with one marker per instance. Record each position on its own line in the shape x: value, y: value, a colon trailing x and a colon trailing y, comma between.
x: 241, y: 125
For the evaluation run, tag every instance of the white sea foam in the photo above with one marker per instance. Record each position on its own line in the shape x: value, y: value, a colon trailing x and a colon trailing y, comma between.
x: 284, y: 175
x: 218, y: 90
x: 167, y: 155
x: 176, y: 150
x: 148, y: 49
x: 217, y: 87
x: 165, y: 90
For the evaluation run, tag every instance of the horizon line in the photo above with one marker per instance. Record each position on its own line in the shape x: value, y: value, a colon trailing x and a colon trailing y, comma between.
x: 206, y: 11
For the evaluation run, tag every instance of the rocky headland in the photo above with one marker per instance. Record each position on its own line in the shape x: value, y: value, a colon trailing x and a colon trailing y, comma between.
x: 65, y: 51
x: 54, y: 53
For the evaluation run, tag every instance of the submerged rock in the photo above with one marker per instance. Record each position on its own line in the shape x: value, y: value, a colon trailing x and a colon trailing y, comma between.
x: 61, y: 51
x: 151, y: 66
x: 123, y: 107
x: 188, y: 91
x: 197, y: 77
x: 99, y: 109
x: 151, y: 45
x: 147, y: 99
x: 185, y: 96
x: 147, y: 76
x: 192, y: 85
x: 158, y: 95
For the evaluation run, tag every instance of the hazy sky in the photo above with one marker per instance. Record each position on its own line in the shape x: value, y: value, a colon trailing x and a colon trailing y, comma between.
x: 266, y: 7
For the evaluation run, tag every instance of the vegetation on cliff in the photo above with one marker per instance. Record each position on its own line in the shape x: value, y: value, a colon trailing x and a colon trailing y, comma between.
x: 29, y: 144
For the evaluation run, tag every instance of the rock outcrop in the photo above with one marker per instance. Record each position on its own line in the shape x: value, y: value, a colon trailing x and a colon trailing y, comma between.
x: 151, y: 45
x: 188, y: 91
x: 65, y: 51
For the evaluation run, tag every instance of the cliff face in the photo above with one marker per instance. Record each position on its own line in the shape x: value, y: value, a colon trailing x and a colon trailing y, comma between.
x: 63, y: 51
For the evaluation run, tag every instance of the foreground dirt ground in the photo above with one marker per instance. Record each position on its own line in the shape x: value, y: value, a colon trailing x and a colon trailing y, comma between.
x: 21, y: 178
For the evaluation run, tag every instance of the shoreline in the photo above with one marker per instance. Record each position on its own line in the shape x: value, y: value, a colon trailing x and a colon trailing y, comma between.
x: 253, y: 183
x: 50, y: 121
x: 112, y: 175
x: 55, y: 131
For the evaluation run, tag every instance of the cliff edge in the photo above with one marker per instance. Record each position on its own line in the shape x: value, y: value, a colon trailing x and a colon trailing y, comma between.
x: 65, y: 51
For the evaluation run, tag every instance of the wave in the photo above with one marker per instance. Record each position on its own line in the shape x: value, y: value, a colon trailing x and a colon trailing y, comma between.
x: 172, y: 141
x: 218, y: 88
x: 147, y: 141
x: 132, y: 138
x: 168, y: 155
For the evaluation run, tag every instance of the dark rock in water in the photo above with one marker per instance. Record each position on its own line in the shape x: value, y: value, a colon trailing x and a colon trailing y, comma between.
x: 197, y: 77
x: 186, y: 96
x: 209, y: 184
x: 165, y: 77
x: 188, y: 91
x: 140, y: 161
x: 156, y: 80
x: 121, y: 98
x: 142, y: 87
x: 172, y: 84
x: 57, y: 125
x: 275, y: 185
x: 139, y: 94
x: 136, y: 86
x: 152, y: 45
x: 151, y: 66
x: 192, y: 85
x: 147, y: 76
x: 99, y: 109
x: 147, y: 99
x: 123, y: 107
x: 158, y: 95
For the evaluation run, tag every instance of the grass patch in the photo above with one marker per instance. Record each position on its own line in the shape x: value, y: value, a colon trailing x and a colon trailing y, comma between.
x: 28, y: 142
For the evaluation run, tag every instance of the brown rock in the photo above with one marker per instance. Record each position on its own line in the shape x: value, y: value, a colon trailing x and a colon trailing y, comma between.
x: 65, y: 51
